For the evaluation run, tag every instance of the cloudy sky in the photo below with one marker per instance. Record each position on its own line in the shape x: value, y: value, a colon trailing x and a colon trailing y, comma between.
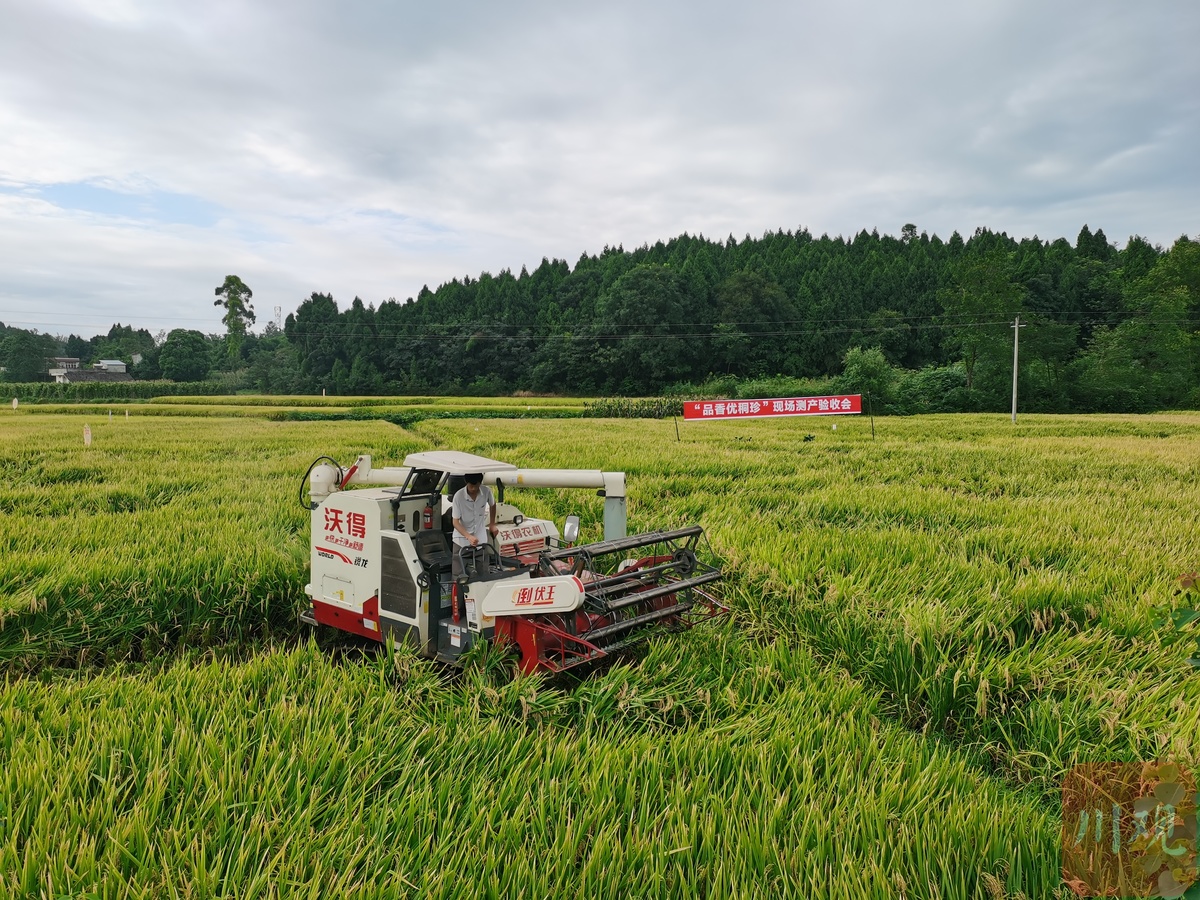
x: 148, y: 148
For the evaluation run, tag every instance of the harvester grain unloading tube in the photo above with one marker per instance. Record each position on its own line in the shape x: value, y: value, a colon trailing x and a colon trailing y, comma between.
x: 611, y: 485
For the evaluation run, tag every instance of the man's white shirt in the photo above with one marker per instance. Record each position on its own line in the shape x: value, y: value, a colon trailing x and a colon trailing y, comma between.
x: 473, y: 514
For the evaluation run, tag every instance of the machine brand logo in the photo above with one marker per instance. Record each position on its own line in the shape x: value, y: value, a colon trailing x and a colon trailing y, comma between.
x: 541, y: 595
x: 1129, y: 829
x: 343, y: 528
x: 352, y: 524
x: 527, y: 531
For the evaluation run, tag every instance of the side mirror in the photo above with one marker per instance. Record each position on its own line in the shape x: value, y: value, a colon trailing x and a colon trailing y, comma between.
x: 571, y: 529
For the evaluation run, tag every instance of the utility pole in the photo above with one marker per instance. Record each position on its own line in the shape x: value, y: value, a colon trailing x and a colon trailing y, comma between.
x: 1016, y: 327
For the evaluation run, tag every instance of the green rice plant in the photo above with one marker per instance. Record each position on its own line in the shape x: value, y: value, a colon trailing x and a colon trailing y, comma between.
x: 998, y: 585
x: 929, y: 628
x: 290, y: 775
x: 1185, y: 616
x: 162, y: 533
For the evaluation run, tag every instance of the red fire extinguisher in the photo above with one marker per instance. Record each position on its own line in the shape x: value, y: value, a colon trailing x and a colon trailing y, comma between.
x: 427, y: 516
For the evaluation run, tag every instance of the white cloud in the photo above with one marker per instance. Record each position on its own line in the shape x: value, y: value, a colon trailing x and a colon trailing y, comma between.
x: 368, y: 149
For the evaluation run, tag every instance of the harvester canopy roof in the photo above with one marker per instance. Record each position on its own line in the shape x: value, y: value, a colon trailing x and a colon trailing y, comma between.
x: 454, y: 462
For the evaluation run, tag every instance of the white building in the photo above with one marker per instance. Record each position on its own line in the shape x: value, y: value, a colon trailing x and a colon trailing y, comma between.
x: 67, y: 370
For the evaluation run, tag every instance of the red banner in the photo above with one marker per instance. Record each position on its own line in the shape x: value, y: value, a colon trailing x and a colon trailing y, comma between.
x: 841, y: 405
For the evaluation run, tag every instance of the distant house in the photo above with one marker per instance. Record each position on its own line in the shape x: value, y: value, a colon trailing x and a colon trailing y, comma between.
x: 68, y: 371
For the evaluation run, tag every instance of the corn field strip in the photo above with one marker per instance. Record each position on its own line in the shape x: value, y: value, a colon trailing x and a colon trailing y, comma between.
x: 280, y: 411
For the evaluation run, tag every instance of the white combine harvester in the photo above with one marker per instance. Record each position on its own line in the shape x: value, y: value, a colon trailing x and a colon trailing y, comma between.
x: 381, y: 565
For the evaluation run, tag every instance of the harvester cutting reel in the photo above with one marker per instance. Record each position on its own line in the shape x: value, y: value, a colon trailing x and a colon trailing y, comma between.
x: 382, y: 566
x: 630, y: 587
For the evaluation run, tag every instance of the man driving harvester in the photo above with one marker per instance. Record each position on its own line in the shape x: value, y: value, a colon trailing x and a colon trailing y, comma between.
x: 474, y: 513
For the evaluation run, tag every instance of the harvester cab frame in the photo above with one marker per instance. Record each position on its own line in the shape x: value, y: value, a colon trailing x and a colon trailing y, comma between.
x: 381, y: 565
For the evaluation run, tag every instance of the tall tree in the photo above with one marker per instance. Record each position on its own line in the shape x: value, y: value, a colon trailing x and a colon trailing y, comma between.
x: 978, y: 305
x: 235, y: 296
x: 1149, y: 360
x: 750, y: 312
x: 639, y: 330
x: 314, y: 330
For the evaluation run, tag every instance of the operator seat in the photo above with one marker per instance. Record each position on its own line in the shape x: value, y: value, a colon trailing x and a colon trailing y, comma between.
x: 432, y: 550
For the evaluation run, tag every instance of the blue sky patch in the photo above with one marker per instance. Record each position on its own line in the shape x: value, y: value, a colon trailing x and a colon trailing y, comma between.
x: 159, y: 207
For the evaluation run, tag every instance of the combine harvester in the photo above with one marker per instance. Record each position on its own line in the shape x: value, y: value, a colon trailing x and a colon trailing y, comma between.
x: 381, y: 565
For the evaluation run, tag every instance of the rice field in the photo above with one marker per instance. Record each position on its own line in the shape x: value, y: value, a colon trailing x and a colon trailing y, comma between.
x: 929, y: 628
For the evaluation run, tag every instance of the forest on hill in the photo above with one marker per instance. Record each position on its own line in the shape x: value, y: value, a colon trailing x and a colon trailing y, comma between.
x: 925, y: 324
